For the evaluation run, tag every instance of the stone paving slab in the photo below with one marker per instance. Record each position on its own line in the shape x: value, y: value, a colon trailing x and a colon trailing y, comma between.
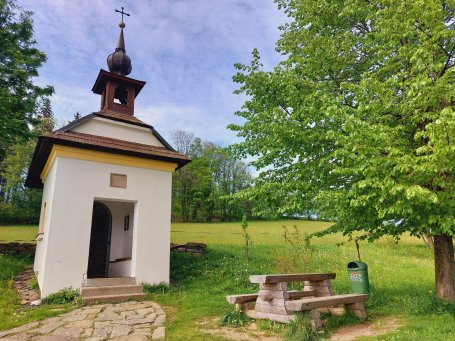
x: 129, y: 321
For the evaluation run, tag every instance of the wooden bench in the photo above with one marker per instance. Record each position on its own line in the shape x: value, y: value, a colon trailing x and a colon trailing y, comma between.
x: 353, y: 302
x: 273, y: 293
x: 274, y: 302
x: 241, y: 301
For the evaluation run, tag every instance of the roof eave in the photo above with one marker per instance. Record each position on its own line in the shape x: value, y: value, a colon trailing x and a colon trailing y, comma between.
x: 103, y: 75
x: 44, y: 147
x: 33, y: 176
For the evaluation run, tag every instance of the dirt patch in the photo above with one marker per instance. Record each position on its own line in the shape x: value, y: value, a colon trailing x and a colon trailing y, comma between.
x: 365, y: 329
x: 251, y: 332
x: 170, y: 313
x: 241, y: 334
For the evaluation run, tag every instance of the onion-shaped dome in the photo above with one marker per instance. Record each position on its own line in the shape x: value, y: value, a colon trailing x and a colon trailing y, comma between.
x: 119, y: 62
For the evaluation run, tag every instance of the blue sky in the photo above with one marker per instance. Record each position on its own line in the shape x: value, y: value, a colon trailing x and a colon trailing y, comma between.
x: 183, y: 49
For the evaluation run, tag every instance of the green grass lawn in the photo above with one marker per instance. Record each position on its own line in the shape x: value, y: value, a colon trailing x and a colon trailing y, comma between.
x: 401, y: 276
x: 18, y: 233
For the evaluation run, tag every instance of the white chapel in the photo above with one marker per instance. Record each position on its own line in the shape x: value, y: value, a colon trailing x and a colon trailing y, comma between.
x: 106, y: 207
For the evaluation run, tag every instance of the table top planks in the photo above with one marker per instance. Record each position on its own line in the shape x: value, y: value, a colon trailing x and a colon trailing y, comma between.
x: 278, y: 278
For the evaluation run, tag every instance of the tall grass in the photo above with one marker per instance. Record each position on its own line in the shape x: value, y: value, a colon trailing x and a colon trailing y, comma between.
x: 295, y: 253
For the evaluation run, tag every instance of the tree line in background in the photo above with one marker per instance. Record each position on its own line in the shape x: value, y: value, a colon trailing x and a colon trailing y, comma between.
x: 25, y: 112
x: 19, y: 204
x: 202, y: 188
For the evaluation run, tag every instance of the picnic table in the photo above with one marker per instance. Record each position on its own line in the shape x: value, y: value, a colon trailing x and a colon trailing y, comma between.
x: 275, y: 302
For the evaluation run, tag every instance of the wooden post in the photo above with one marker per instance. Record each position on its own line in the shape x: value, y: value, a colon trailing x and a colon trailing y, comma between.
x: 316, y: 319
x: 323, y: 288
x: 358, y: 309
x: 341, y: 311
x: 271, y: 302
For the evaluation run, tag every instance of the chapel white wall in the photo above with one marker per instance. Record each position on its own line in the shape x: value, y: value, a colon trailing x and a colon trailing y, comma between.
x: 45, y: 218
x: 77, y: 184
x: 118, y: 130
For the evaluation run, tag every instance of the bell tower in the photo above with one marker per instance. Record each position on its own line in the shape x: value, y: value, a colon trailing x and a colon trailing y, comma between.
x: 117, y: 91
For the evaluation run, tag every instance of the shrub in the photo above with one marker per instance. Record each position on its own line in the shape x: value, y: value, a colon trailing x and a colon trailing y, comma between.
x: 32, y: 283
x: 235, y: 318
x: 301, y: 329
x: 67, y: 295
x: 155, y: 288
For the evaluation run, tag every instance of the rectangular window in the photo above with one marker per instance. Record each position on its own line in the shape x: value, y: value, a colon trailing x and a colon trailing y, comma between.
x: 126, y: 223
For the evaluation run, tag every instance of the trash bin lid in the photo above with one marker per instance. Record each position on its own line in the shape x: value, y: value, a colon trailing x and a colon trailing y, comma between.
x: 357, y: 265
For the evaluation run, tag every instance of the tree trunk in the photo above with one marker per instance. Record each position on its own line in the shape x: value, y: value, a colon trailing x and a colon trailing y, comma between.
x: 428, y: 240
x: 444, y: 267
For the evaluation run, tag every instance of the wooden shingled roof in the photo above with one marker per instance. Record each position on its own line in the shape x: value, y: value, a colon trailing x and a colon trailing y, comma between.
x: 66, y: 137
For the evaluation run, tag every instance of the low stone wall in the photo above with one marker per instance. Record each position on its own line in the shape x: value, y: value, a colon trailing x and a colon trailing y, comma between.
x: 17, y: 248
x: 194, y: 248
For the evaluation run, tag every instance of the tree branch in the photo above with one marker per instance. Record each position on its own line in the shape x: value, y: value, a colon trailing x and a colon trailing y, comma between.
x: 284, y: 109
x: 447, y: 64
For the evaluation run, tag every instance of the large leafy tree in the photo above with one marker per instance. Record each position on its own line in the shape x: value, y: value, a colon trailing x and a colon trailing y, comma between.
x: 19, y: 63
x: 357, y: 122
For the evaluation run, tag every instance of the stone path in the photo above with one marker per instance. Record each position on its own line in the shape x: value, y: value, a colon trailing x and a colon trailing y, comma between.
x: 26, y: 294
x: 130, y: 321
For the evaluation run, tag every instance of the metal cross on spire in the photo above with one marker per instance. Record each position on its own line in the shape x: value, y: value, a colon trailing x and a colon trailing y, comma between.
x: 123, y: 13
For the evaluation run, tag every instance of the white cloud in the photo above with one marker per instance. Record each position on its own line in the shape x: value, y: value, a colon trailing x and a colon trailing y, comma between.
x: 167, y: 117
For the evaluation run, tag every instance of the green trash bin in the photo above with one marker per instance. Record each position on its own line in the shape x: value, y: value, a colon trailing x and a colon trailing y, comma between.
x: 358, y: 276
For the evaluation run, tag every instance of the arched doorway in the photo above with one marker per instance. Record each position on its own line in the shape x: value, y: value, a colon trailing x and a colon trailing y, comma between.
x: 100, y: 241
